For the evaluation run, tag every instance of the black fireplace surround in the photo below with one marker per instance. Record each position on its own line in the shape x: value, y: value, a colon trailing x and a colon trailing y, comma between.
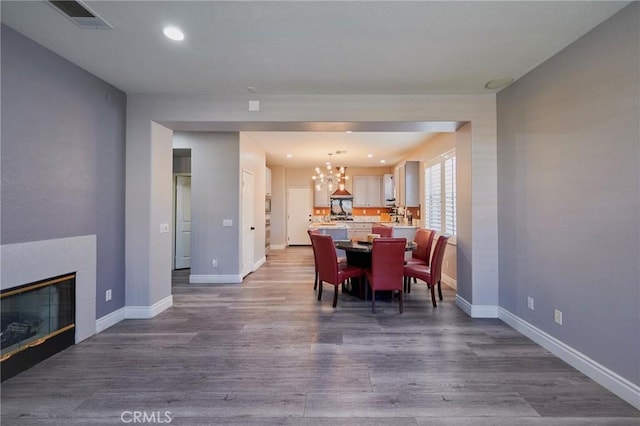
x: 37, y: 321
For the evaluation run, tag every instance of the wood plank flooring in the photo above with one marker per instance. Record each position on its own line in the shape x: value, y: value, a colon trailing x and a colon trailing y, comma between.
x: 266, y: 352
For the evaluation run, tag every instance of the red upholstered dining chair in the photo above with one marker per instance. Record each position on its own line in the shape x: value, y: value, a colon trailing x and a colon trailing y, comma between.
x: 421, y: 255
x: 383, y: 231
x: 387, y: 267
x: 432, y: 273
x: 315, y: 260
x: 329, y: 270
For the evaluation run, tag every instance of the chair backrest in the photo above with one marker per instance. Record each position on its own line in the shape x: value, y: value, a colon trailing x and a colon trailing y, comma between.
x: 383, y: 231
x: 424, y: 240
x: 438, y: 256
x: 313, y: 246
x: 326, y: 257
x: 387, y: 263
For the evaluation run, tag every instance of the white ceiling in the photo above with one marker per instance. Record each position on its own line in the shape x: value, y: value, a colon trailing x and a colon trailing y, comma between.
x: 313, y: 47
x: 310, y: 149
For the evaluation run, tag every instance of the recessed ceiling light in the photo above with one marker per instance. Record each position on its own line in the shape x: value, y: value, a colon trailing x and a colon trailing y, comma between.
x: 369, y: 155
x: 349, y: 131
x: 498, y: 83
x: 383, y: 161
x: 173, y: 33
x: 289, y: 155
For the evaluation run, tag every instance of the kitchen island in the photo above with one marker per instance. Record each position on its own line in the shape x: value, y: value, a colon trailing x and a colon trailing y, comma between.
x: 338, y: 231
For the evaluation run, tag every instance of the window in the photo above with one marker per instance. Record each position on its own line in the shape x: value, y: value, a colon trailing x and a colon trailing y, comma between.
x: 440, y: 194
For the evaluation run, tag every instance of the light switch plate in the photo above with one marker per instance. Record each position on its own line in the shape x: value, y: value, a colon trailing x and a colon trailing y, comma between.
x: 164, y: 228
x: 227, y: 223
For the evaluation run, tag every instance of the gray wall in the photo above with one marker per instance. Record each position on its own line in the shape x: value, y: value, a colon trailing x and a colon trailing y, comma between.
x: 63, y: 157
x: 568, y: 188
x: 215, y: 196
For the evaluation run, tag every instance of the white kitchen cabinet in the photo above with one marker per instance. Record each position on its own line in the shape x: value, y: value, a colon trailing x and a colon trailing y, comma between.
x: 388, y: 192
x: 367, y: 191
x: 267, y: 181
x: 407, y: 184
x: 321, y: 197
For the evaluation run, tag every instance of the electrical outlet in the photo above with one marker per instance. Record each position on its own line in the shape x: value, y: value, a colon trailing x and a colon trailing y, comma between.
x: 446, y: 264
x: 214, y: 262
x: 557, y: 316
x: 107, y: 295
x: 530, y: 303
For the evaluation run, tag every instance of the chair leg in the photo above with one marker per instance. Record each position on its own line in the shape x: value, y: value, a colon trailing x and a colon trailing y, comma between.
x: 433, y: 295
x: 315, y: 282
x: 335, y: 296
x: 404, y: 283
x: 373, y: 301
x: 409, y: 285
x: 439, y: 290
x: 320, y: 290
x: 401, y: 302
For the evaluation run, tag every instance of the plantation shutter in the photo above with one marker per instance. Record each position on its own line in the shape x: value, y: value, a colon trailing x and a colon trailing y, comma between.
x: 450, y: 196
x: 433, y: 196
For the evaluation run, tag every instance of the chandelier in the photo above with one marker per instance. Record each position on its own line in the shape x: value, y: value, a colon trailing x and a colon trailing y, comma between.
x: 328, y: 177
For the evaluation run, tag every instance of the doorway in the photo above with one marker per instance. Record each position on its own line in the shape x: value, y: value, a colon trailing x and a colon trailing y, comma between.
x: 299, y: 209
x: 183, y: 222
x: 248, y: 226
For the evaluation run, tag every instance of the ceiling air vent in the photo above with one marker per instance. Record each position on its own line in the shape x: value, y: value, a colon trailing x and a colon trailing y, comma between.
x: 80, y: 14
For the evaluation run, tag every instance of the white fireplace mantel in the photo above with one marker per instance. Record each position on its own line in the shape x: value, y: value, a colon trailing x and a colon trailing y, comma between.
x: 24, y: 263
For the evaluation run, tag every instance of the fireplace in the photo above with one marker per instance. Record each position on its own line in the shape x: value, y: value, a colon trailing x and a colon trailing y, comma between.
x: 37, y: 321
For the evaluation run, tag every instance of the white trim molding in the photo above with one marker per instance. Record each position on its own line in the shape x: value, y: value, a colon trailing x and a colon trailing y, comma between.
x: 278, y: 246
x: 476, y: 311
x: 259, y: 263
x: 446, y: 279
x: 146, y: 312
x: 615, y: 383
x: 215, y: 279
x: 133, y: 312
x: 110, y: 320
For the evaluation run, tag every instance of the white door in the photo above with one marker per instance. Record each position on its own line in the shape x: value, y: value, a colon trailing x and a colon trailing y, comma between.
x: 248, y: 225
x: 299, y: 208
x: 183, y: 222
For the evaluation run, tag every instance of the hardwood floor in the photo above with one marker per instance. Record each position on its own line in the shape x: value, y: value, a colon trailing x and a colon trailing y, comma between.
x: 266, y: 352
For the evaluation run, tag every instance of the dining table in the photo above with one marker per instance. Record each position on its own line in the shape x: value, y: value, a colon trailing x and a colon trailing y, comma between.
x: 358, y: 253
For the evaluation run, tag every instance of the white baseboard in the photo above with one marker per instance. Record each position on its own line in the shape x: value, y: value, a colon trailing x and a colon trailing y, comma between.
x: 615, y: 383
x: 215, y: 279
x: 278, y: 246
x: 446, y: 279
x: 133, y: 312
x: 109, y: 320
x: 259, y: 263
x: 146, y: 312
x: 476, y: 311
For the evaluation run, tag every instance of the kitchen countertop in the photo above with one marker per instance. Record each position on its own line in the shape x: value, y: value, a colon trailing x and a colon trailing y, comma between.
x: 329, y: 225
x: 345, y: 224
x: 398, y: 225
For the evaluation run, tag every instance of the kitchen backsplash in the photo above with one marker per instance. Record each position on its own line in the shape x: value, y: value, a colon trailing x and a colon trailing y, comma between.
x: 365, y: 214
